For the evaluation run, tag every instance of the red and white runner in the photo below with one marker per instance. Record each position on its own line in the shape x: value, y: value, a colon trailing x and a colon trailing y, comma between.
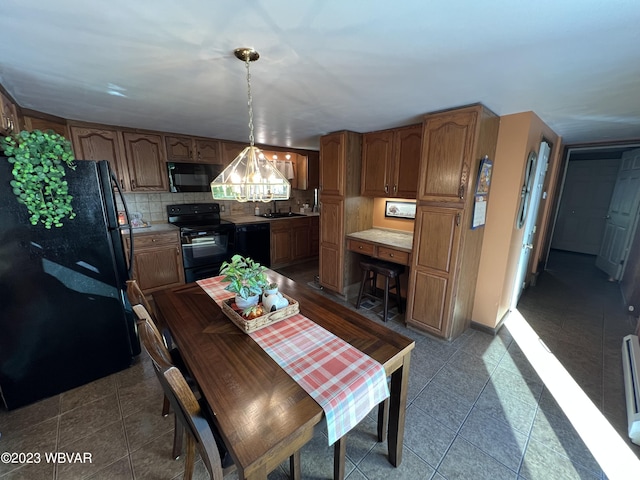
x: 345, y: 382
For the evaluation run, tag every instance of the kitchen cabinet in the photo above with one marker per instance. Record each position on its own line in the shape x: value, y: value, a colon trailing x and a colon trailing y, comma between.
x: 446, y: 251
x: 192, y: 150
x: 291, y: 240
x: 448, y: 156
x: 307, y: 171
x: 230, y: 150
x: 37, y: 123
x: 101, y: 144
x: 342, y: 209
x: 390, y: 160
x: 8, y: 116
x: 280, y: 243
x: 144, y: 154
x: 314, y: 240
x: 157, y: 260
x: 381, y: 252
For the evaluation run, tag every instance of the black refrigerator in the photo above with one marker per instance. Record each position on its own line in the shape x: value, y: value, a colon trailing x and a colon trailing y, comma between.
x: 64, y: 316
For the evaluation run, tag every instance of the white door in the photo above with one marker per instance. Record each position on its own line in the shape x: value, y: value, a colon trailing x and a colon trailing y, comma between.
x: 535, y: 172
x: 586, y: 196
x: 622, y: 217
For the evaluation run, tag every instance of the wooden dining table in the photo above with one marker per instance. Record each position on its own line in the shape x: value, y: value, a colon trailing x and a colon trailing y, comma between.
x: 263, y: 415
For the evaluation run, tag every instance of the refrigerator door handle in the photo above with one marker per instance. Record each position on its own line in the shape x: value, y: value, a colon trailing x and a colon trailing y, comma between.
x: 114, y: 178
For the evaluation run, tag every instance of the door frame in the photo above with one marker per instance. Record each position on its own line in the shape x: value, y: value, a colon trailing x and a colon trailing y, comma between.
x: 588, y: 148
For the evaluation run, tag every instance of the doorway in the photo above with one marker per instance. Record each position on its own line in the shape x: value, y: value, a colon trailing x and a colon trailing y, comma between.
x: 591, y: 217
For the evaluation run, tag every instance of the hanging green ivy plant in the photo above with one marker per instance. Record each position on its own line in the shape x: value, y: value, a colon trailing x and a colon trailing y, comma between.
x: 39, y: 161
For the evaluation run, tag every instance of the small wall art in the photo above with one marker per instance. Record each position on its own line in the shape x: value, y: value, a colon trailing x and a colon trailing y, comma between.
x: 400, y: 209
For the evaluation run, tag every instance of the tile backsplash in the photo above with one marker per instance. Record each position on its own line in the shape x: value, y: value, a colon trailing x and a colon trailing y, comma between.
x: 153, y: 206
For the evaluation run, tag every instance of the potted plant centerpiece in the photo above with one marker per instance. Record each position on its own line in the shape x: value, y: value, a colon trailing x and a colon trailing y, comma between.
x: 246, y: 279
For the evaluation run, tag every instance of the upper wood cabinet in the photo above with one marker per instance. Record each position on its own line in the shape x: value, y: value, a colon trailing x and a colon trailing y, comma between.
x: 179, y: 149
x: 43, y: 124
x: 101, y: 144
x: 390, y: 160
x: 447, y: 155
x: 8, y: 116
x: 192, y: 150
x: 333, y: 154
x: 146, y: 162
x: 230, y: 150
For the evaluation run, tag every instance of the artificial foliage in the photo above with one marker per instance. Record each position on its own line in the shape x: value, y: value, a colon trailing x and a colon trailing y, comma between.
x: 39, y: 167
x: 246, y: 276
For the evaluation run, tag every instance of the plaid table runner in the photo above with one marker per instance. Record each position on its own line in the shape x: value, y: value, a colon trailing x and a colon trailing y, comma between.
x: 345, y: 382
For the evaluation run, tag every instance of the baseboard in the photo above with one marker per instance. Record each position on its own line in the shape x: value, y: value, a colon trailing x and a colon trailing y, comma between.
x: 490, y: 330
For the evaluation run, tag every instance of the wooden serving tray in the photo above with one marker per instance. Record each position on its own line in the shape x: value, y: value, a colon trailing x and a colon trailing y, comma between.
x: 249, y: 326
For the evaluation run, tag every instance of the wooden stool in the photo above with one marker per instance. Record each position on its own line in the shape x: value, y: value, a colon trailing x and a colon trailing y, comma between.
x: 370, y: 271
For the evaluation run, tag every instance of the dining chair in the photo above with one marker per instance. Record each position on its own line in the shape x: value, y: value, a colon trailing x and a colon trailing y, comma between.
x: 137, y: 297
x: 201, y: 433
x: 161, y: 357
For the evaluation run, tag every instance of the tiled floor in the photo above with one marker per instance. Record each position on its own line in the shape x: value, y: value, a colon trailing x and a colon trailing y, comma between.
x: 476, y: 408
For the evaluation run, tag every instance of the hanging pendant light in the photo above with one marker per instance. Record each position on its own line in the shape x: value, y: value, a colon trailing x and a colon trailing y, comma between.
x: 250, y: 177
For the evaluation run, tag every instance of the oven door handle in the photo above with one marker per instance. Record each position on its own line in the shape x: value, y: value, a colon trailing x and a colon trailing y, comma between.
x: 199, y: 244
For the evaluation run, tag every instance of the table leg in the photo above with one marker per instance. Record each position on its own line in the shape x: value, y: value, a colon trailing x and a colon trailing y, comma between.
x: 397, y: 410
x: 339, y: 453
x: 383, y: 419
x: 294, y: 466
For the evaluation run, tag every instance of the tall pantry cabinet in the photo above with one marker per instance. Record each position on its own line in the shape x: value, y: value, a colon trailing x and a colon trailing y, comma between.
x: 342, y: 209
x: 446, y: 251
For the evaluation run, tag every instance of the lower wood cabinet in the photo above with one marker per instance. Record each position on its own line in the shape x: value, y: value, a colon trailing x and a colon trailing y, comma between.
x: 292, y: 240
x: 157, y: 260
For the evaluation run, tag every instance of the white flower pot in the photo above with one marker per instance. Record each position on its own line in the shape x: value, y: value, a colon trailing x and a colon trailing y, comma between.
x: 243, y: 303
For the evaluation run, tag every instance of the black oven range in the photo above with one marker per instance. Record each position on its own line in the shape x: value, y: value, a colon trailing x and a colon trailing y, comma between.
x: 206, y: 239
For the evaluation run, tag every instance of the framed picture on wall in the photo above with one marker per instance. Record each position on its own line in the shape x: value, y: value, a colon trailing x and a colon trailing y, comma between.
x: 400, y: 209
x: 481, y: 195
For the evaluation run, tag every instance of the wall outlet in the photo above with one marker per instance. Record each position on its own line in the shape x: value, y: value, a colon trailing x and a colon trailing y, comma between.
x: 222, y: 208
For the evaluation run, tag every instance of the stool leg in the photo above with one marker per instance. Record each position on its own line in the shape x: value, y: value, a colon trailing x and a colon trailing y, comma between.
x: 398, y: 296
x: 386, y: 298
x: 365, y: 274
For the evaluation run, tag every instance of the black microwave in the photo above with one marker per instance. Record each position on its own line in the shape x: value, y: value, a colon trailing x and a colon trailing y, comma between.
x: 192, y: 177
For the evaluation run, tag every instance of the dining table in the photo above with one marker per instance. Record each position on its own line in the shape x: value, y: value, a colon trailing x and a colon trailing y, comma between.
x: 264, y: 416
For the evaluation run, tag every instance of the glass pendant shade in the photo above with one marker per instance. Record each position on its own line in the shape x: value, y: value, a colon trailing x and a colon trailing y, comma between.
x: 251, y: 177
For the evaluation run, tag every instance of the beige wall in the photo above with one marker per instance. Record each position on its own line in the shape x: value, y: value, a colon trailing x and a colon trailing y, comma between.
x: 380, y: 221
x: 519, y: 134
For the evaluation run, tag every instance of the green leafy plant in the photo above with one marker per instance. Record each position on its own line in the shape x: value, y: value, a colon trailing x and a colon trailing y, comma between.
x: 39, y: 162
x: 247, y: 277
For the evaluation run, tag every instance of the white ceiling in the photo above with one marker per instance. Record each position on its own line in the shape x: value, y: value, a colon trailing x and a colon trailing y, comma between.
x: 325, y: 65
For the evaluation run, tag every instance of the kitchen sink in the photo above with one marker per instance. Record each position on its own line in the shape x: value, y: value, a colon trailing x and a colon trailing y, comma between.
x: 282, y: 215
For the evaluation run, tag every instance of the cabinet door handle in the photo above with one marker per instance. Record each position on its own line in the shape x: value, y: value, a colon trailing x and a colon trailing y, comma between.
x: 177, y: 251
x: 133, y: 184
x: 395, y: 189
x: 461, y: 191
x: 386, y: 189
x: 458, y: 219
x: 391, y: 254
x: 360, y: 247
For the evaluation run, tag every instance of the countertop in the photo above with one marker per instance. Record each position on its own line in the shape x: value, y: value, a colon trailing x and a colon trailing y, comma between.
x: 245, y: 219
x: 387, y: 237
x: 154, y: 228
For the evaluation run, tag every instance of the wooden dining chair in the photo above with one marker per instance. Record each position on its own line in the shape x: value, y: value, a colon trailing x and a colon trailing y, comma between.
x: 137, y: 297
x: 201, y: 433
x: 162, y: 359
